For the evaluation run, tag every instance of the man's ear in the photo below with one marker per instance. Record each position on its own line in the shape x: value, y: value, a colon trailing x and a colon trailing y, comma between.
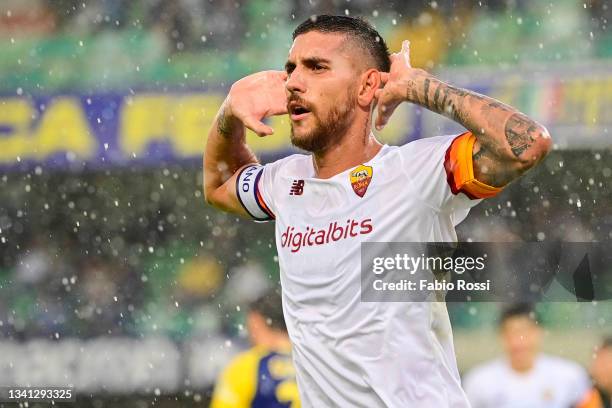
x: 370, y: 82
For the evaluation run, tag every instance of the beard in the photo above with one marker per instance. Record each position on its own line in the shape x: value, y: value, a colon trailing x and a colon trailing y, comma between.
x: 329, y: 130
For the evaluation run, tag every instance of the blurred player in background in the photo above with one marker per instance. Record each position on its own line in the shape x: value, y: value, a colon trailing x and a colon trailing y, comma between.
x: 526, y: 377
x: 353, y: 189
x: 601, y: 371
x: 263, y: 376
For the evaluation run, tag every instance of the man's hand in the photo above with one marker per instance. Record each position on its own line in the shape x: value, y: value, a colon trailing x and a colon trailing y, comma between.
x: 254, y: 98
x: 399, y: 82
x: 249, y: 101
x: 508, y: 142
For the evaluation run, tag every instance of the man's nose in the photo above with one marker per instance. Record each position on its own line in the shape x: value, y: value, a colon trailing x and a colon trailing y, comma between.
x: 295, y: 82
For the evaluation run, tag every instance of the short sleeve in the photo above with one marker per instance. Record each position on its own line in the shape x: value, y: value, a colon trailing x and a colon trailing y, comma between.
x: 253, y: 186
x: 591, y: 399
x: 581, y: 386
x: 441, y: 170
x: 475, y: 390
x: 236, y: 386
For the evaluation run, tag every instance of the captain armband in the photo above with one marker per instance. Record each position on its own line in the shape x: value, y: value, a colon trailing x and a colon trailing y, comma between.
x: 249, y: 195
x: 460, y: 169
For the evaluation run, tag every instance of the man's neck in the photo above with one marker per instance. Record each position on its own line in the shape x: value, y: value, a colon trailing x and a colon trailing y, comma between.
x: 522, y: 367
x: 352, y: 150
x: 276, y: 341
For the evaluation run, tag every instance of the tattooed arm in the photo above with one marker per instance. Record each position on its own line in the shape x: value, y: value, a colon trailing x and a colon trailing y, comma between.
x: 508, y: 143
x: 248, y: 102
x: 226, y: 153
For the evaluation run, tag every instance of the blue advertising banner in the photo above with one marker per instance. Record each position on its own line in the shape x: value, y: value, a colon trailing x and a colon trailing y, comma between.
x: 104, y: 129
x: 115, y: 129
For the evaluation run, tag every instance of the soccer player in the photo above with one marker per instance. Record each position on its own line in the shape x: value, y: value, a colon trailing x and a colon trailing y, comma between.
x: 526, y: 377
x: 352, y: 189
x: 263, y: 376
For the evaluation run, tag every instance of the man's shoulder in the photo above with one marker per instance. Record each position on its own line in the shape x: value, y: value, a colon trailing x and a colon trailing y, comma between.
x: 294, y: 163
x: 431, y: 142
x: 422, y: 151
x: 246, y: 360
x: 487, y: 371
x: 421, y: 156
x: 561, y: 366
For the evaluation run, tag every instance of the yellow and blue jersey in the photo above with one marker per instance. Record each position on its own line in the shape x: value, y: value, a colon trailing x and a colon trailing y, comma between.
x: 257, y: 378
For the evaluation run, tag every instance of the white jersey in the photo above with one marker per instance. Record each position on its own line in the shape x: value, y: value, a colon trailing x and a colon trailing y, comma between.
x: 552, y: 383
x: 350, y: 353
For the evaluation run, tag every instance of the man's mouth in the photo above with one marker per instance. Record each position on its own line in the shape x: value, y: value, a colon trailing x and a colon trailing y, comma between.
x: 297, y: 111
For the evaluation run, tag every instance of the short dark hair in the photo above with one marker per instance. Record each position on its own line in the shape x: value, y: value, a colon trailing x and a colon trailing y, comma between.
x: 518, y: 310
x: 606, y: 342
x: 269, y: 306
x: 356, y: 29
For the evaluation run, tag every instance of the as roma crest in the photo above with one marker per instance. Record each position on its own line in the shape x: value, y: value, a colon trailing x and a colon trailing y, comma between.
x: 360, y: 178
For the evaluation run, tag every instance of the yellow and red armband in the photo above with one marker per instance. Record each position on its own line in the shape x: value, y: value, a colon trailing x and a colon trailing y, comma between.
x: 460, y: 169
x: 592, y: 399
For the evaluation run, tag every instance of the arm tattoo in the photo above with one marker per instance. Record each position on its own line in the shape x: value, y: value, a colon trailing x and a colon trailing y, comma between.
x: 426, y: 93
x: 478, y: 155
x: 520, y: 132
x: 412, y: 93
x: 488, y: 112
x: 506, y: 136
x: 224, y: 125
x: 486, y: 169
x: 437, y: 98
x: 448, y: 100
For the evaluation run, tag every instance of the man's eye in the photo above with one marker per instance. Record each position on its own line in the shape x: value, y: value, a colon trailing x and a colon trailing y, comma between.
x: 319, y: 67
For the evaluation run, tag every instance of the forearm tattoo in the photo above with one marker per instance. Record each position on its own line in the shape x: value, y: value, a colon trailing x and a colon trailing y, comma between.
x: 458, y: 104
x: 520, y: 132
x: 224, y: 124
x: 426, y: 92
x: 480, y: 153
x: 450, y: 101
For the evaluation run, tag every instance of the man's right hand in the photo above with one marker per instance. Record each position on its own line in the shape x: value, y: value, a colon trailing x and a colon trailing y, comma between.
x: 249, y: 101
x: 256, y: 97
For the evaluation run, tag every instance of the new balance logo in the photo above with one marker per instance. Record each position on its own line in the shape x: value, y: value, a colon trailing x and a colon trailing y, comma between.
x: 297, y: 188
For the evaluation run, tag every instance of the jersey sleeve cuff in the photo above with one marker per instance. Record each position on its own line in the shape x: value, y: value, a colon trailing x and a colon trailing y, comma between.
x: 460, y: 169
x: 249, y: 194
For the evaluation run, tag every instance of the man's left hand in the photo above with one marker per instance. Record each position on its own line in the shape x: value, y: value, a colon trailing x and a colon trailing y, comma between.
x: 399, y: 84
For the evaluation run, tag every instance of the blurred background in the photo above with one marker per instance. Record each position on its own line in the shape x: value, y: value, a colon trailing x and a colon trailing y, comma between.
x: 114, y: 274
